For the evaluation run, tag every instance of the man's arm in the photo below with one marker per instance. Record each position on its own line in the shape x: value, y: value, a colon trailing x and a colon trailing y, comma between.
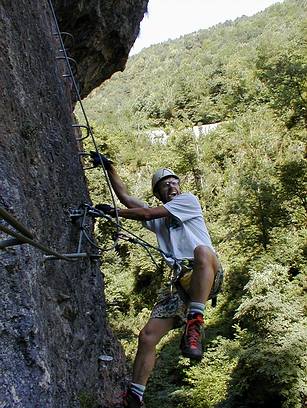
x: 136, y: 209
x: 121, y: 191
x: 143, y: 214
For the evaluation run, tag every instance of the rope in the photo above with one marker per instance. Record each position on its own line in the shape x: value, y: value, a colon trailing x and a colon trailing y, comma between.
x: 84, y: 114
x: 89, y: 239
x: 22, y: 237
x: 16, y: 224
x: 135, y: 241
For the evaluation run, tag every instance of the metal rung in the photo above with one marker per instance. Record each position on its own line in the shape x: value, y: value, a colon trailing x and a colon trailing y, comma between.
x: 72, y: 255
x: 88, y: 130
x: 84, y: 154
x: 74, y: 214
x: 63, y: 33
x: 66, y: 34
x: 70, y: 60
x: 9, y: 242
x: 67, y: 58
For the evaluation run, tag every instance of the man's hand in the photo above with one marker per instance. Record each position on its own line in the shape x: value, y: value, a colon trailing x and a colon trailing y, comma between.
x: 97, y: 158
x: 106, y: 209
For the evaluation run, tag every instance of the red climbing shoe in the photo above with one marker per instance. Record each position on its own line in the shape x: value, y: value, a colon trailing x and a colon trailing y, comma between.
x: 131, y: 400
x: 191, y: 346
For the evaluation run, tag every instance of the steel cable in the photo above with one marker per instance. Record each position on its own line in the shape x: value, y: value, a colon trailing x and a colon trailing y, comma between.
x: 26, y: 240
x: 84, y: 113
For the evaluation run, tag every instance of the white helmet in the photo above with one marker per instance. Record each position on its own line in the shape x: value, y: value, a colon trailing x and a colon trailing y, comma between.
x: 160, y: 175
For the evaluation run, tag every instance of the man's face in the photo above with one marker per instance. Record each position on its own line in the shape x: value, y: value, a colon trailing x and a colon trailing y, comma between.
x: 168, y: 189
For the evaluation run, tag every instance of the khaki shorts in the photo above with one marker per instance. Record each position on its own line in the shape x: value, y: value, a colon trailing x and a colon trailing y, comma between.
x: 175, y: 305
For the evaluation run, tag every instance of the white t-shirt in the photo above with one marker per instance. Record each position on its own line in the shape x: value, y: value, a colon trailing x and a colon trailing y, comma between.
x: 184, y: 230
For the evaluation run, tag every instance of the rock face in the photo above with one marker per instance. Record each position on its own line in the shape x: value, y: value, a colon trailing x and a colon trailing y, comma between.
x: 53, y: 324
x: 104, y: 32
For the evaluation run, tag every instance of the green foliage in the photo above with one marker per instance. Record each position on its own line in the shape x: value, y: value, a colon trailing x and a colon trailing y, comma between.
x: 272, y: 343
x: 293, y: 177
x: 211, y: 374
x: 284, y: 74
x: 212, y: 75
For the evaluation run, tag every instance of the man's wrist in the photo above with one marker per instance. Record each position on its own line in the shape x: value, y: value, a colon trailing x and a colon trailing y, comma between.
x: 115, y: 212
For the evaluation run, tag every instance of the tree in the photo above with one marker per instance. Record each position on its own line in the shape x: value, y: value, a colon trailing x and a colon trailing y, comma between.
x: 284, y: 74
x: 270, y: 370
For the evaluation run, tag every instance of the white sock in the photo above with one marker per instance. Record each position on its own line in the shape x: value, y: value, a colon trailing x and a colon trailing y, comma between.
x: 196, y: 307
x: 138, y: 389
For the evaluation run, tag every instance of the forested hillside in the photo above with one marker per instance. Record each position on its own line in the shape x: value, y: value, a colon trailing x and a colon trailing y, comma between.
x: 250, y: 176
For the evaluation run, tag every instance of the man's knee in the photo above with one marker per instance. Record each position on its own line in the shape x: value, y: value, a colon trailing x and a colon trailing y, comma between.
x: 154, y: 330
x: 205, y: 257
x: 148, y: 337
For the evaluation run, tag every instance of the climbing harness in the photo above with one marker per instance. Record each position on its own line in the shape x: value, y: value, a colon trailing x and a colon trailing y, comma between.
x: 181, y: 279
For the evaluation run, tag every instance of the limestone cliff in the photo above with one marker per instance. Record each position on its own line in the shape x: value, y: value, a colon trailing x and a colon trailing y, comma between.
x: 53, y: 324
x: 104, y: 32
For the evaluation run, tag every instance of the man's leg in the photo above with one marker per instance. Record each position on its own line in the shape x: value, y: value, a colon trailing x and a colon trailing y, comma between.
x: 205, y: 269
x: 149, y: 337
x: 144, y: 361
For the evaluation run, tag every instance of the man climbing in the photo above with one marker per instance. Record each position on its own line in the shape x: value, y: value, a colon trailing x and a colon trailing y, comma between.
x: 181, y: 232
